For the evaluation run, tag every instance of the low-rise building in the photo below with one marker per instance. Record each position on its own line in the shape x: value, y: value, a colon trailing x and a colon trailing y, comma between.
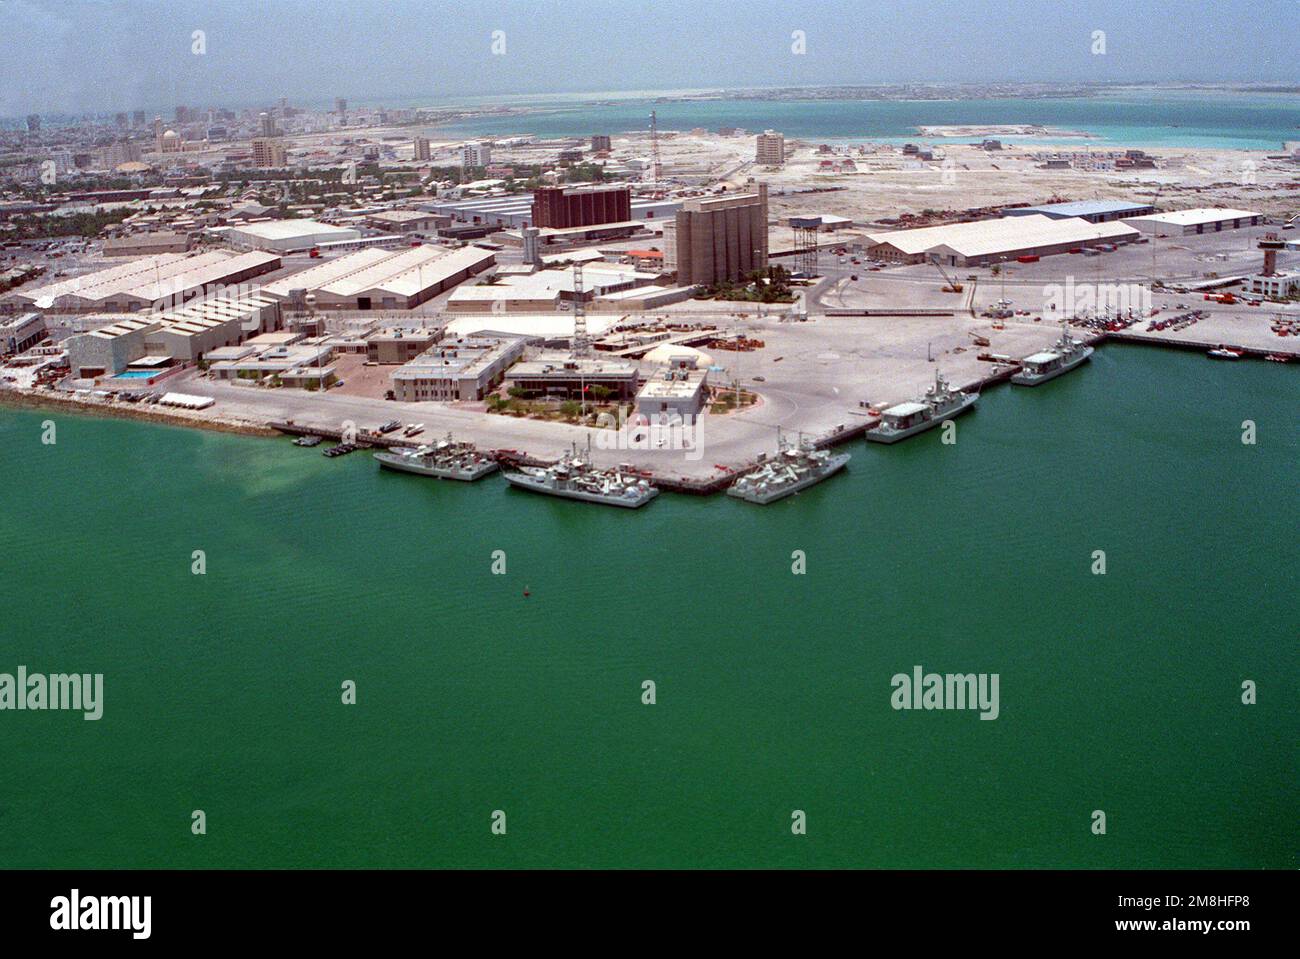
x: 21, y: 332
x: 462, y: 369
x: 1199, y: 220
x: 678, y: 390
x: 560, y: 374
x: 397, y: 344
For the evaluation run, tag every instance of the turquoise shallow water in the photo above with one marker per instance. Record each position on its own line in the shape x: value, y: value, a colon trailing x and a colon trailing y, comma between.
x: 1118, y: 692
x: 1159, y: 119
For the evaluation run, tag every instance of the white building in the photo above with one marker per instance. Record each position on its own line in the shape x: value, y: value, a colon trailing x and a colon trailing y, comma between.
x: 475, y: 154
x: 287, y: 236
x: 1199, y: 220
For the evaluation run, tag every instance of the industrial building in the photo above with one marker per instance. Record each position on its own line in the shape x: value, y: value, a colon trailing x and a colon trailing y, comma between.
x: 546, y: 289
x: 465, y: 368
x: 146, y: 244
x: 291, y: 360
x: 287, y: 236
x: 573, y: 378
x: 769, y: 148
x: 384, y: 279
x: 149, y: 283
x: 407, y: 221
x: 718, y: 239
x: 985, y: 242
x: 182, y: 335
x: 1200, y: 220
x: 561, y: 208
x: 514, y: 212
x: 20, y: 332
x: 1094, y: 211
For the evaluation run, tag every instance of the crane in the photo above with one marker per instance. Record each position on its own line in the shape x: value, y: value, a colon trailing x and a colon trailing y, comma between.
x: 950, y: 284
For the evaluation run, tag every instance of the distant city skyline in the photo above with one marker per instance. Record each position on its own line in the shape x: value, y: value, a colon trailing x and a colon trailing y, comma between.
x: 80, y: 56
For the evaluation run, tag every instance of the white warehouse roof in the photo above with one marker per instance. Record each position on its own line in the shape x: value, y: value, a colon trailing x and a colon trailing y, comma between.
x: 1203, y: 214
x: 1003, y: 235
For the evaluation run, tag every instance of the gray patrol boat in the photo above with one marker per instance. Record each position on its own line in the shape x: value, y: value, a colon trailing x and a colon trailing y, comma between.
x: 445, y: 459
x: 575, y: 478
x: 795, y: 467
x: 907, y: 419
x: 1065, y: 355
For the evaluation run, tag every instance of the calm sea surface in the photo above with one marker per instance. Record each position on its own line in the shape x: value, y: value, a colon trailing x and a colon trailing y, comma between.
x: 222, y: 692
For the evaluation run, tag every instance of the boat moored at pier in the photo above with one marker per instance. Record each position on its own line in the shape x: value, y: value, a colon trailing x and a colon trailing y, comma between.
x: 1065, y: 355
x: 795, y: 467
x: 573, y: 477
x: 445, y: 459
x: 939, y: 403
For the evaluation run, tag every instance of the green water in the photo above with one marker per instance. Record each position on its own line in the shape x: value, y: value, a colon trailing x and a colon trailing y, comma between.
x: 222, y: 692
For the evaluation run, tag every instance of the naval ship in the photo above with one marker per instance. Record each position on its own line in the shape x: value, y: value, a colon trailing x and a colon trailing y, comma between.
x: 907, y: 419
x: 445, y: 459
x: 575, y: 478
x: 1065, y: 355
x: 794, y: 468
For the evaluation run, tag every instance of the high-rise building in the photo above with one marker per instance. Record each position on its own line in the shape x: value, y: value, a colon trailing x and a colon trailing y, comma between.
x: 33, y: 122
x: 121, y: 120
x: 719, y: 238
x: 182, y: 114
x: 268, y: 153
x: 475, y: 154
x: 341, y: 107
x: 137, y: 118
x: 266, y: 124
x: 560, y: 208
x: 600, y: 142
x: 770, y: 148
x: 422, y: 148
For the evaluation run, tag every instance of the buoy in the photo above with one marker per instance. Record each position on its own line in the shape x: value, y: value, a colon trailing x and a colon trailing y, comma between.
x: 526, y: 592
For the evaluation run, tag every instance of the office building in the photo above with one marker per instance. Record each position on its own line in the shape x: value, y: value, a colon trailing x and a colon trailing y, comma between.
x: 268, y: 153
x: 769, y: 148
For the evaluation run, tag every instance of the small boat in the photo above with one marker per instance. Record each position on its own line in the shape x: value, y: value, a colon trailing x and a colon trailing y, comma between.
x: 1224, y: 353
x: 1279, y: 357
x: 414, y: 430
x: 307, y: 441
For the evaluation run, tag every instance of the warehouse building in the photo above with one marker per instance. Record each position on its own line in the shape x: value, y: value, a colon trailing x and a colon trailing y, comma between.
x: 182, y: 335
x: 408, y: 221
x: 287, y: 236
x: 1094, y: 211
x: 986, y: 242
x: 1200, y: 220
x: 154, y: 282
x: 465, y: 368
x: 547, y: 289
x: 21, y: 332
x: 146, y: 244
x: 385, y: 279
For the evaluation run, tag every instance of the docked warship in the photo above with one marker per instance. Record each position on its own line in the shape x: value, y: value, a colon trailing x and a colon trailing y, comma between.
x: 907, y: 419
x: 576, y: 478
x: 795, y: 467
x: 1064, y: 355
x: 445, y: 459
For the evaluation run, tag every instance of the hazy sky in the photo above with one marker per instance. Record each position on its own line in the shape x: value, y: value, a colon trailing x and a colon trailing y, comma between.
x: 80, y: 55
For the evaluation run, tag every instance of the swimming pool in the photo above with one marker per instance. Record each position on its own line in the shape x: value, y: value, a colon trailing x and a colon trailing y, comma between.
x: 137, y: 374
